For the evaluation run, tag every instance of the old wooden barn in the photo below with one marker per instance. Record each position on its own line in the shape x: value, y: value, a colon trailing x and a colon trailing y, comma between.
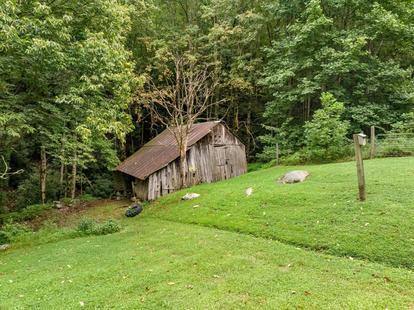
x: 214, y: 154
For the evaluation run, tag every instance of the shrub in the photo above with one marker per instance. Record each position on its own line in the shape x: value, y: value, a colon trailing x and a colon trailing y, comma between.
x: 12, y: 232
x: 4, y: 238
x: 25, y: 214
x: 89, y: 226
x: 109, y: 227
x: 326, y: 131
x: 15, y: 229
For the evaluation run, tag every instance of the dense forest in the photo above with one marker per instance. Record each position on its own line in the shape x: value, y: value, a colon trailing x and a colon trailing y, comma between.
x: 79, y: 81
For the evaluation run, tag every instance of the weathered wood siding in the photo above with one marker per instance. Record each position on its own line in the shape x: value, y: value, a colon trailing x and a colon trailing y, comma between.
x: 218, y: 156
x: 140, y: 189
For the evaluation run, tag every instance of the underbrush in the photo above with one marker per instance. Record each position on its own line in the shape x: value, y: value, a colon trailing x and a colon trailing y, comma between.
x: 28, y: 213
x: 89, y: 226
x: 22, y: 235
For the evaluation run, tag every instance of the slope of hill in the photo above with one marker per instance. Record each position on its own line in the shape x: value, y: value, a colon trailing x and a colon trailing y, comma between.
x: 322, y: 213
x: 277, y: 248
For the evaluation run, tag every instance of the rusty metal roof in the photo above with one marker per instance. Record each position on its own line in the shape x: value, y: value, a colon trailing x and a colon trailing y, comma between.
x: 160, y: 151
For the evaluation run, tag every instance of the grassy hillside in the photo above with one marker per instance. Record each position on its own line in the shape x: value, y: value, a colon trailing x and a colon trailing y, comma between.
x: 322, y: 213
x: 167, y: 258
x: 154, y: 264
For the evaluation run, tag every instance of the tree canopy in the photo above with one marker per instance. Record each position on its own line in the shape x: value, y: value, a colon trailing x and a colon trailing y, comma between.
x: 73, y: 73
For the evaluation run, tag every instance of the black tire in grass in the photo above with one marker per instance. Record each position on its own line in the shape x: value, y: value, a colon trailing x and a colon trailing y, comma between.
x: 133, y: 211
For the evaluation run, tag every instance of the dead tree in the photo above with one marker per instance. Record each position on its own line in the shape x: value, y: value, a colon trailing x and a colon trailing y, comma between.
x: 181, y: 102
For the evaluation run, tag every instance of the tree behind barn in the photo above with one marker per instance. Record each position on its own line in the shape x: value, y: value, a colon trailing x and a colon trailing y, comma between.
x: 182, y: 102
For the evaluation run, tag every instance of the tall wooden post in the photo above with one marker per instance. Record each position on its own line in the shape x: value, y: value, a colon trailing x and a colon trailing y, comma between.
x: 360, y: 169
x: 277, y: 154
x: 372, y: 144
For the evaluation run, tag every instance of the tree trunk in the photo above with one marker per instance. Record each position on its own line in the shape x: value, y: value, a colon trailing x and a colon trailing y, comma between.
x: 183, y: 162
x: 42, y: 174
x: 73, y: 187
x: 61, y: 179
x: 249, y: 137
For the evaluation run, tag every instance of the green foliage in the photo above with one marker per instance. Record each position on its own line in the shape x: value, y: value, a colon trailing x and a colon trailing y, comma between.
x: 28, y: 213
x: 71, y: 73
x: 66, y: 80
x: 325, y: 134
x: 406, y: 125
x: 102, y: 186
x: 15, y: 229
x: 4, y: 238
x: 108, y: 227
x: 326, y: 129
x: 87, y: 197
x: 360, y: 51
x: 28, y: 192
x: 399, y: 141
x: 88, y: 226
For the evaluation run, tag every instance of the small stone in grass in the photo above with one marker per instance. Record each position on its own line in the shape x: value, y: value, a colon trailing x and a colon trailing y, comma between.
x: 81, y: 303
x: 190, y: 196
x: 4, y: 247
x: 171, y: 283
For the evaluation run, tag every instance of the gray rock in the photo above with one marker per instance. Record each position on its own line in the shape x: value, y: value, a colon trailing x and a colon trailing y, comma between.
x: 294, y: 177
x: 4, y: 247
x: 190, y: 196
x: 58, y: 204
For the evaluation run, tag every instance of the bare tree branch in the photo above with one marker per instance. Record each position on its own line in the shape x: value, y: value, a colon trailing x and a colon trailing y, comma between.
x: 182, y: 102
x: 6, y: 173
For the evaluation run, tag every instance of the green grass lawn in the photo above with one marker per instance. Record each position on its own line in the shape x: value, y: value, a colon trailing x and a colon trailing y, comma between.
x: 322, y: 213
x: 284, y: 247
x: 155, y: 264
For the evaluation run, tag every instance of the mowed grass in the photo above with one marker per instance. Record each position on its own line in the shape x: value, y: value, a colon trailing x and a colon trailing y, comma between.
x: 284, y: 247
x: 153, y: 264
x: 322, y: 213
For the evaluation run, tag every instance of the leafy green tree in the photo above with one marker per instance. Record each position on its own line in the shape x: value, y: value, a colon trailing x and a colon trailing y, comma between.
x: 360, y: 51
x: 68, y: 77
x: 327, y: 131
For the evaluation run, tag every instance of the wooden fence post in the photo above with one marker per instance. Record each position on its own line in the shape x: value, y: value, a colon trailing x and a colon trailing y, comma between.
x: 360, y: 168
x: 372, y: 143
